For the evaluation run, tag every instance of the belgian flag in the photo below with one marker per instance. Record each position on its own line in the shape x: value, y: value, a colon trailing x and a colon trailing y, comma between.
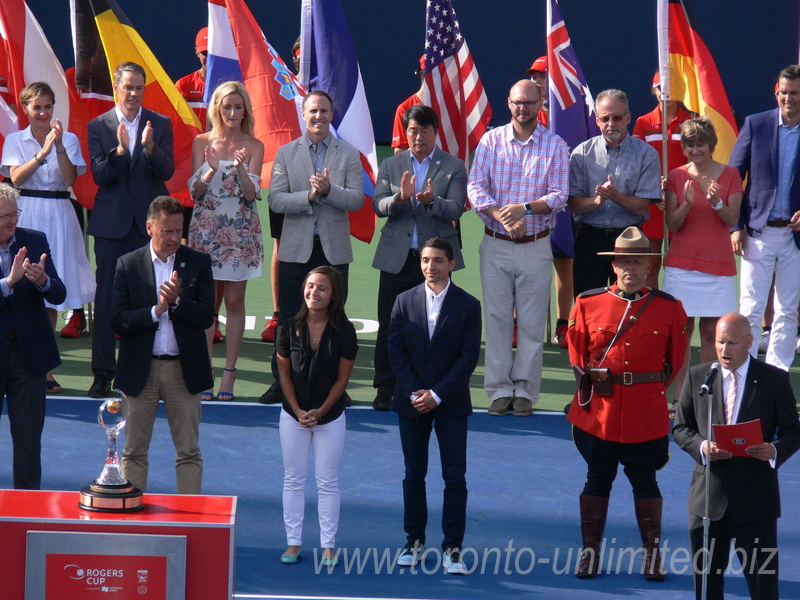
x: 693, y: 76
x: 104, y: 37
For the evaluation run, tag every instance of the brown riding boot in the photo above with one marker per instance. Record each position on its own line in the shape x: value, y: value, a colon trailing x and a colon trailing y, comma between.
x: 648, y: 516
x: 594, y: 510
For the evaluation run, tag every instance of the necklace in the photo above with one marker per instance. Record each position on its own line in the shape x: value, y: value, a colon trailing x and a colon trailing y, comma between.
x: 315, y: 337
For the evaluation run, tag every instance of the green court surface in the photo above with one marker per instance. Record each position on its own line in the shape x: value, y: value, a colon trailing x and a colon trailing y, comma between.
x: 254, y: 376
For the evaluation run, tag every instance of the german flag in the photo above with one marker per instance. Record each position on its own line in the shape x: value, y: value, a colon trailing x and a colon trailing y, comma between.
x: 693, y: 76
x: 120, y: 42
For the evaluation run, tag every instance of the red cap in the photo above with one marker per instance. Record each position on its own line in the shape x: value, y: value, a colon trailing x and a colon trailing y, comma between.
x: 657, y: 79
x: 540, y: 64
x: 422, y: 63
x: 201, y: 41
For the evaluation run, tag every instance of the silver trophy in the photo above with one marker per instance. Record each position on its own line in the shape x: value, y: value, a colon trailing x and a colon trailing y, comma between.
x: 111, y: 492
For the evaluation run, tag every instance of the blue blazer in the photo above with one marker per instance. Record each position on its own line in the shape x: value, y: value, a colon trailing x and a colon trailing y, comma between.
x: 756, y: 155
x: 127, y: 184
x: 442, y: 363
x: 135, y: 293
x: 24, y: 314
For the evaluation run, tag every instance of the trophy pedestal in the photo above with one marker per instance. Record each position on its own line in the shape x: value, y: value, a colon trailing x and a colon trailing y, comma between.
x: 122, y: 498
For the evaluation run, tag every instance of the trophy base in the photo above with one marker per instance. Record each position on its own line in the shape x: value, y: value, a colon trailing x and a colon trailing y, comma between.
x: 122, y: 498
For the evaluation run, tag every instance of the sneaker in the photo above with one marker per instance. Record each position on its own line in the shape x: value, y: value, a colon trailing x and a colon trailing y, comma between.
x: 763, y: 342
x: 499, y: 407
x: 268, y: 335
x: 560, y: 336
x: 410, y: 555
x: 75, y: 327
x: 218, y: 337
x: 453, y: 564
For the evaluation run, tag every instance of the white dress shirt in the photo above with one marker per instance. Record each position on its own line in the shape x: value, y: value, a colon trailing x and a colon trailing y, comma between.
x: 433, y: 306
x: 165, y: 342
x: 131, y: 126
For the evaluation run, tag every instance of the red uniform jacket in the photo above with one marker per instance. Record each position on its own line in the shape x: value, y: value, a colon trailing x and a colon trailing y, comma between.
x: 633, y: 413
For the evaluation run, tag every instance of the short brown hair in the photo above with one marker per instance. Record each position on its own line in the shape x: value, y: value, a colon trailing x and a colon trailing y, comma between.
x: 34, y: 90
x: 163, y: 205
x: 700, y: 130
x: 130, y: 67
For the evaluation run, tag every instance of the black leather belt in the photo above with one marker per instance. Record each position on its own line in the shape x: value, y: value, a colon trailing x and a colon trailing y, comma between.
x: 165, y: 357
x: 44, y: 193
x: 628, y: 378
x: 778, y: 223
x: 523, y: 240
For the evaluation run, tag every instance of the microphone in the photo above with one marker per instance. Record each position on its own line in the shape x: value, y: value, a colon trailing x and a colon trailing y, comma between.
x: 712, y: 375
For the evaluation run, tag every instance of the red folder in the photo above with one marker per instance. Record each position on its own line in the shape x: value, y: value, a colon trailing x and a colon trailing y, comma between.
x: 736, y: 437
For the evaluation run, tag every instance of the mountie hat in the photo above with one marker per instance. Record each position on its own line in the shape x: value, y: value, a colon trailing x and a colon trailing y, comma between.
x: 540, y: 64
x: 632, y: 242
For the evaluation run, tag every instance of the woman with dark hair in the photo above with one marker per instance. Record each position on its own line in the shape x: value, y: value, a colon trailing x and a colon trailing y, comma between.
x: 702, y: 204
x: 316, y: 353
x: 226, y: 183
x: 43, y: 161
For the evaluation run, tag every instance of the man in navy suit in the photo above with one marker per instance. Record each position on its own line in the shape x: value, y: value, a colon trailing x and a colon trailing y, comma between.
x: 434, y: 343
x: 745, y: 500
x: 27, y: 345
x: 131, y: 153
x: 768, y: 235
x: 162, y: 304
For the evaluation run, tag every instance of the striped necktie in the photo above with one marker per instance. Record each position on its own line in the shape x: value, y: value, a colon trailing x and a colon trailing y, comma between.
x: 730, y: 399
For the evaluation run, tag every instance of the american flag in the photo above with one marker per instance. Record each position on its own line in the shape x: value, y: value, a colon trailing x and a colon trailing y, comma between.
x: 452, y: 85
x: 571, y: 103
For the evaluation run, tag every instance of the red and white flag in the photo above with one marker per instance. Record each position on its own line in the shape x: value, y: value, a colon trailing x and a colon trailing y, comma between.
x: 452, y: 85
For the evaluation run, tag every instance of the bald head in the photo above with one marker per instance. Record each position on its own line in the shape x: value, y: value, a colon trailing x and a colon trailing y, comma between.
x: 527, y: 88
x: 733, y: 340
x: 524, y: 102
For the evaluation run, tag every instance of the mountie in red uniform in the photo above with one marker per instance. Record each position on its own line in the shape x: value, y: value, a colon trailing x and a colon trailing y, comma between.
x: 636, y: 412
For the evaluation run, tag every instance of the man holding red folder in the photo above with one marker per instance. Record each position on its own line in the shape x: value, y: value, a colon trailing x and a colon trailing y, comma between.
x: 744, y: 496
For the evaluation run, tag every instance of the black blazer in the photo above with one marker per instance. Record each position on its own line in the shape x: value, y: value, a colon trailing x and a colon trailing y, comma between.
x: 445, y: 362
x: 135, y: 293
x: 23, y: 312
x: 746, y: 487
x: 126, y: 185
x: 314, y: 373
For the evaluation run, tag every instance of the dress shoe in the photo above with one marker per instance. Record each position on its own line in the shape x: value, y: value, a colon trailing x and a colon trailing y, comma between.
x: 101, y: 387
x: 273, y: 395
x: 382, y: 401
x: 523, y: 407
x: 290, y: 559
x: 499, y: 407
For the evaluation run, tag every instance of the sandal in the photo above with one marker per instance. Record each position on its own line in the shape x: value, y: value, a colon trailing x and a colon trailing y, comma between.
x: 52, y: 386
x: 208, y: 395
x: 226, y: 396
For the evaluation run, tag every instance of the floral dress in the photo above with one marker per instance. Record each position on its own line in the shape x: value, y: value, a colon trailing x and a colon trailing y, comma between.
x: 227, y: 226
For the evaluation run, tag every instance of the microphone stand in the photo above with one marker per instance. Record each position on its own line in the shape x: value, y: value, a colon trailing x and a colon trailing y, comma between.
x: 707, y: 509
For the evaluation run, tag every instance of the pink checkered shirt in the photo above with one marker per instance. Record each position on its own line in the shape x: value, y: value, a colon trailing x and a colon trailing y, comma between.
x: 506, y: 171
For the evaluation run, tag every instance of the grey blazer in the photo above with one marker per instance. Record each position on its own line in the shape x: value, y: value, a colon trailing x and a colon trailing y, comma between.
x: 288, y: 194
x: 449, y: 177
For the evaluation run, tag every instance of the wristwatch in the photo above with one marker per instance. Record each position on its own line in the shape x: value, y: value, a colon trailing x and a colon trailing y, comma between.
x: 718, y: 205
x: 528, y: 209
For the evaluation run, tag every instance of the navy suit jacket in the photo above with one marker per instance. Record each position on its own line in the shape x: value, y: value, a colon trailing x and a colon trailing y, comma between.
x: 746, y: 487
x: 442, y: 363
x: 23, y: 312
x: 756, y: 156
x: 135, y: 294
x: 127, y: 184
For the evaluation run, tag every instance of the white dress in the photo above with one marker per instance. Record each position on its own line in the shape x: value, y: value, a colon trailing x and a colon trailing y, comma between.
x: 227, y: 226
x: 54, y: 216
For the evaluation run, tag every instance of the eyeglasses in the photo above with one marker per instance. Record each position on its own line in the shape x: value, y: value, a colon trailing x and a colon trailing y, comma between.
x: 526, y: 104
x: 607, y: 118
x: 12, y: 216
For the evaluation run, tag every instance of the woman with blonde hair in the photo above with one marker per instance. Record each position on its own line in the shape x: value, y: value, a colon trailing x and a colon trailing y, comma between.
x: 225, y: 185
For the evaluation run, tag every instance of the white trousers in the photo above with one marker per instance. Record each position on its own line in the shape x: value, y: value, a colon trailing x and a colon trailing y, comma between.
x: 773, y: 252
x: 515, y: 275
x: 296, y: 442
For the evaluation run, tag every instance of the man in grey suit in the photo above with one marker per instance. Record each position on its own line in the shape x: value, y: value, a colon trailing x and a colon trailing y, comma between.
x: 316, y: 179
x: 421, y: 190
x: 131, y: 153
